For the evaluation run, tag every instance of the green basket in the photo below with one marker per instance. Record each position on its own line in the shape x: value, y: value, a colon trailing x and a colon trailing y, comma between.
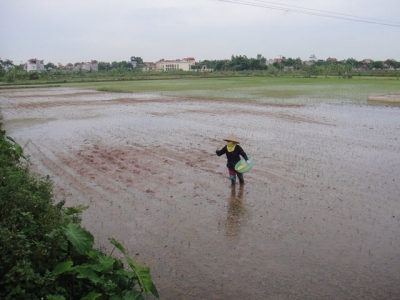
x: 242, y: 165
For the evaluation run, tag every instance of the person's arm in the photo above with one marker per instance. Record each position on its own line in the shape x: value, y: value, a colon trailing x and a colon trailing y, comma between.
x: 243, y: 154
x: 220, y: 152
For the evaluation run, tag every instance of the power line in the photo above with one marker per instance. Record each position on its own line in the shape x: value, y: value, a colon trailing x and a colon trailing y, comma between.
x: 313, y: 12
x: 328, y: 12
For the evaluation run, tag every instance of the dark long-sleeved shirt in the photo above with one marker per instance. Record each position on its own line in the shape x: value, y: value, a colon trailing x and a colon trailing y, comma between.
x: 232, y: 157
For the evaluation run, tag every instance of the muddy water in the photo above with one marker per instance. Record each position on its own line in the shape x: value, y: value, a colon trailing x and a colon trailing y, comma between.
x: 318, y: 217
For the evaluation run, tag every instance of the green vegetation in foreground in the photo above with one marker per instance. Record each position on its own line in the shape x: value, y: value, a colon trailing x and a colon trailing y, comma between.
x: 45, y: 253
x: 269, y: 90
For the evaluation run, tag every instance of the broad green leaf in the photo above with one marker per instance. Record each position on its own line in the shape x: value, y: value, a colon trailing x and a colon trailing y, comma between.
x: 144, y: 279
x: 118, y: 245
x: 63, y: 267
x: 16, y: 147
x: 93, y: 253
x: 154, y: 291
x: 7, y: 144
x: 10, y: 138
x: 75, y: 209
x: 127, y: 273
x: 105, y: 264
x: 91, y: 296
x: 97, y: 267
x: 132, y: 262
x: 143, y: 275
x: 19, y: 150
x: 80, y: 238
x: 86, y: 272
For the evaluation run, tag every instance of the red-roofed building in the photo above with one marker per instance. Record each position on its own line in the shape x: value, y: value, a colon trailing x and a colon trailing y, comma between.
x: 34, y: 65
x: 150, y: 66
x: 272, y: 61
x: 367, y: 61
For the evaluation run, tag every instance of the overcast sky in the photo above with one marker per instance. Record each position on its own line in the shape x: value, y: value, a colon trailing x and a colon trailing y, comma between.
x: 82, y: 30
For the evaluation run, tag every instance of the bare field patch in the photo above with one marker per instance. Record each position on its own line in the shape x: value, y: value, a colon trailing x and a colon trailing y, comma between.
x: 385, y: 98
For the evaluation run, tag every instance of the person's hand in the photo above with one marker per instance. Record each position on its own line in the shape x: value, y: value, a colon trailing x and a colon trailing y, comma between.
x: 248, y: 162
x: 218, y: 147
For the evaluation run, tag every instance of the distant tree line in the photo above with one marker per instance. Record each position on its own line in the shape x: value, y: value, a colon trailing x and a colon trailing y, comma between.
x: 242, y: 63
x: 10, y: 72
x: 236, y: 63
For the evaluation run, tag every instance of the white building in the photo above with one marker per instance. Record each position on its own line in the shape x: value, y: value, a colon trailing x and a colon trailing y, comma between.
x: 92, y: 66
x: 178, y: 64
x: 149, y: 66
x: 34, y: 65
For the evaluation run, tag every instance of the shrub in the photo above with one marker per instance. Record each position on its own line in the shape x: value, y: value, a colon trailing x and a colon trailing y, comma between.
x: 45, y: 254
x: 33, y: 75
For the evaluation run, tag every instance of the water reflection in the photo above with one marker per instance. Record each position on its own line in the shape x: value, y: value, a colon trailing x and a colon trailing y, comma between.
x: 235, y: 211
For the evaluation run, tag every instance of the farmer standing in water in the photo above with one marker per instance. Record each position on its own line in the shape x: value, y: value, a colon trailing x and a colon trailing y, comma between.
x: 233, y: 152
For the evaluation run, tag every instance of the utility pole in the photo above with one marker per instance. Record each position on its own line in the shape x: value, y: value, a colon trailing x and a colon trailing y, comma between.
x: 280, y: 62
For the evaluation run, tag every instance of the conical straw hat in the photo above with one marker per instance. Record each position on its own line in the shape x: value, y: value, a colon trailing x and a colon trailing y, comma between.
x: 231, y: 138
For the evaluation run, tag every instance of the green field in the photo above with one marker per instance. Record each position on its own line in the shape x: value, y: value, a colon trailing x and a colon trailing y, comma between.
x: 283, y: 91
x: 261, y: 89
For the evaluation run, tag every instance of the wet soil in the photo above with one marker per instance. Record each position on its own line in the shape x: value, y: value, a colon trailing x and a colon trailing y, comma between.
x: 385, y: 98
x: 317, y: 218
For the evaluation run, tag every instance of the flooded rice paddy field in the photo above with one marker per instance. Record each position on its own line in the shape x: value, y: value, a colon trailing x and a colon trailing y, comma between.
x: 318, y: 216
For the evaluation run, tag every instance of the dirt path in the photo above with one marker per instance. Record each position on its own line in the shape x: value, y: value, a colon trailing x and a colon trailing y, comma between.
x: 318, y: 217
